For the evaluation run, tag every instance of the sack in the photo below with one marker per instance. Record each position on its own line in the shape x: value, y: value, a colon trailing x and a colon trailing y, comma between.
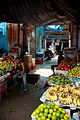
x: 41, y: 82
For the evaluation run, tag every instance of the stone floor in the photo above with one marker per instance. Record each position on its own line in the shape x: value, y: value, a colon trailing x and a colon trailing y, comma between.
x: 45, y: 68
x: 23, y: 103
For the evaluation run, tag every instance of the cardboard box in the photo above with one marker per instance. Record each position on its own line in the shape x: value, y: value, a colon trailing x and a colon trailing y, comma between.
x: 28, y: 61
x: 70, y: 53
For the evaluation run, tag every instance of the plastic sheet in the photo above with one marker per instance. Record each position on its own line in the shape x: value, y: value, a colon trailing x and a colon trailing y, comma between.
x: 4, y: 76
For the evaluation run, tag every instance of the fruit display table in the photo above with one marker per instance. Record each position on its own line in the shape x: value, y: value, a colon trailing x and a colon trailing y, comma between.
x: 4, y: 76
x: 50, y: 112
x: 65, y: 66
x: 57, y: 79
x: 74, y: 72
x: 61, y: 72
x: 73, y: 109
x: 63, y: 93
x: 62, y: 96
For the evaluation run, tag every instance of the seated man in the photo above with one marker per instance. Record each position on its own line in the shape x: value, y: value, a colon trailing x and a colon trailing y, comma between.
x: 19, y: 72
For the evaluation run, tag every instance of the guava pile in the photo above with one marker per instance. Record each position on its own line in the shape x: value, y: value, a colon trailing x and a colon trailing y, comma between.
x: 59, y: 80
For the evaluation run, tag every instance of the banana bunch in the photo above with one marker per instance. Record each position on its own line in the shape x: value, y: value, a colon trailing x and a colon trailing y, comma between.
x: 65, y: 98
x: 76, y: 101
x: 51, y: 94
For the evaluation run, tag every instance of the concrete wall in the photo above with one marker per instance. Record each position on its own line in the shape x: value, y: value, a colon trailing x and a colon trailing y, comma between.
x: 33, y: 43
x: 76, y: 36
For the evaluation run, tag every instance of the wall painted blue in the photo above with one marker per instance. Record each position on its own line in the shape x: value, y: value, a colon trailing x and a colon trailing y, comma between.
x: 4, y: 36
x: 37, y: 38
x: 40, y: 33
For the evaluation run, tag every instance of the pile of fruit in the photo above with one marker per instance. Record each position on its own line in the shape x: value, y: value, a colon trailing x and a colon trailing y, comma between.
x: 59, y: 80
x: 64, y: 67
x: 74, y: 72
x: 66, y: 64
x: 50, y: 112
x: 5, y: 66
x: 65, y: 94
x: 2, y: 72
x: 8, y: 59
x: 77, y: 101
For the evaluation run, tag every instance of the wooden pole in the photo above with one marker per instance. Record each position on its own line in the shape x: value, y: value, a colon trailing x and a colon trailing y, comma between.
x: 18, y: 33
x: 77, y: 36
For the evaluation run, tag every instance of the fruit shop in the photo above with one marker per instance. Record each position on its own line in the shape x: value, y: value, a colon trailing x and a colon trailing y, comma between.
x: 62, y: 98
x: 63, y: 95
x: 42, y: 27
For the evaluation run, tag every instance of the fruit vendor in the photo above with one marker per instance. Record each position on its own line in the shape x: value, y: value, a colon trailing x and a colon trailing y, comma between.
x: 60, y: 58
x: 20, y: 72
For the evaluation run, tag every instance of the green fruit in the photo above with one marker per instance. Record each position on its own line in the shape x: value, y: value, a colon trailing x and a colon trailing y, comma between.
x: 57, y: 114
x: 39, y: 118
x: 61, y: 116
x: 66, y: 118
x: 45, y: 106
x: 41, y: 110
x: 63, y: 111
x: 48, y: 106
x: 60, y: 109
x: 43, y: 118
x: 46, y: 110
x: 54, y: 118
x: 53, y: 104
x: 47, y: 119
x: 49, y: 115
x: 65, y: 82
x: 55, y: 109
x: 45, y: 114
x: 40, y: 114
x: 56, y: 106
x: 36, y: 116
x: 54, y: 113
x: 45, y: 103
x: 34, y: 113
x: 52, y: 107
x: 50, y: 111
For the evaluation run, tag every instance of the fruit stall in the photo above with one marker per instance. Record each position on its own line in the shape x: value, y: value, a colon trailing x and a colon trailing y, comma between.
x: 6, y: 67
x: 66, y: 65
x: 61, y: 101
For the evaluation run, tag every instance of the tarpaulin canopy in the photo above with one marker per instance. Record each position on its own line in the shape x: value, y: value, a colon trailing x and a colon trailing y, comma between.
x: 40, y: 12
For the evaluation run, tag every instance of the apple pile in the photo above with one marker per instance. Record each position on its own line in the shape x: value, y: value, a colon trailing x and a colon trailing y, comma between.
x: 64, y: 66
x: 50, y: 112
x: 8, y: 59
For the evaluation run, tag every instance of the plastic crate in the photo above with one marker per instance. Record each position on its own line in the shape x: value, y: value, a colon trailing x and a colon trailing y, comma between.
x: 39, y: 62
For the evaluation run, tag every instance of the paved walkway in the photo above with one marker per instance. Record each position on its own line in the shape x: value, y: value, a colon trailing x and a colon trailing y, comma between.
x: 45, y: 68
x: 24, y: 104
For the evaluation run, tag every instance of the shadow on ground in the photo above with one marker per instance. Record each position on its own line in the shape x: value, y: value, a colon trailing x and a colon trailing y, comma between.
x: 22, y: 103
